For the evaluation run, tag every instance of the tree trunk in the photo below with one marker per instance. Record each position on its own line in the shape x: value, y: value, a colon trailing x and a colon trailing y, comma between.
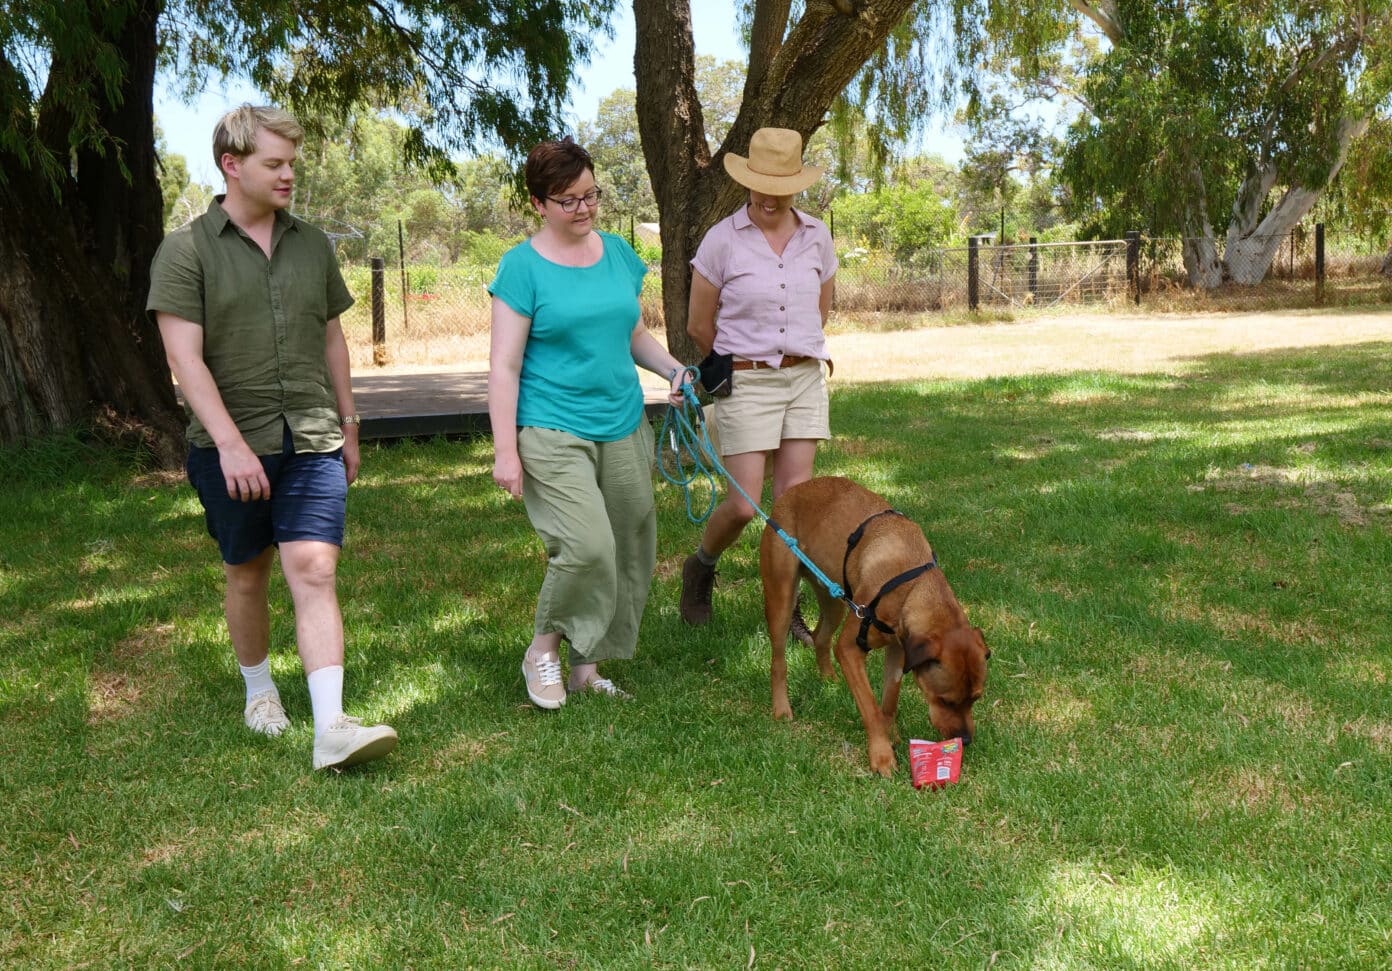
x: 1252, y: 245
x: 1200, y: 251
x: 1201, y: 262
x: 75, y: 343
x: 824, y: 50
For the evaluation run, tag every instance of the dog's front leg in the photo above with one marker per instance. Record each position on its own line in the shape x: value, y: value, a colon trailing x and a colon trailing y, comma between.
x: 852, y: 661
x: 889, y: 693
x: 779, y: 597
x: 831, y: 612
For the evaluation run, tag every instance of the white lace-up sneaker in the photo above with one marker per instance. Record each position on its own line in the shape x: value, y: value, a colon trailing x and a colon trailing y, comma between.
x: 543, y: 680
x: 603, y: 686
x: 265, y: 714
x: 349, y: 742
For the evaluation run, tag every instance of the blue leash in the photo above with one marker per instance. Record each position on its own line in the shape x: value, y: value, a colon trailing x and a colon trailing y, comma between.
x: 694, y: 458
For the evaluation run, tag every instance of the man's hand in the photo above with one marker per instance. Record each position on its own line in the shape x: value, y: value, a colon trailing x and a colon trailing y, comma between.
x: 352, y: 455
x: 243, y: 472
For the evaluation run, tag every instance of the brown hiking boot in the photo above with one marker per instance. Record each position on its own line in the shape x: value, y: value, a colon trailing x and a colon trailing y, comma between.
x: 697, y: 582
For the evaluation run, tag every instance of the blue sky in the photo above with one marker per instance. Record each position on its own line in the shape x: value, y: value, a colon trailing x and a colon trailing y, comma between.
x: 188, y: 128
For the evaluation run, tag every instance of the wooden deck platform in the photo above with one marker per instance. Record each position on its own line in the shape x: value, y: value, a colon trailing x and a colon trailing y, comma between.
x: 448, y: 401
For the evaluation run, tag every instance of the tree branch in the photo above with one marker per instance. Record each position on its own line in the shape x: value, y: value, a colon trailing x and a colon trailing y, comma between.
x: 766, y: 37
x: 1102, y: 13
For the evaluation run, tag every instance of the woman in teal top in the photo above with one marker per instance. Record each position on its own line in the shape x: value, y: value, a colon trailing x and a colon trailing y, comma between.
x: 569, y: 435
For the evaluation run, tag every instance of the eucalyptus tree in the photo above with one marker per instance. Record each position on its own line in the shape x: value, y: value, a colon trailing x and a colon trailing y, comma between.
x: 1202, y: 113
x: 612, y: 137
x: 802, y: 61
x: 80, y: 199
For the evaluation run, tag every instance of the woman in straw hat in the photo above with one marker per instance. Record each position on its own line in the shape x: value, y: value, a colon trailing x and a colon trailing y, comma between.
x: 768, y: 270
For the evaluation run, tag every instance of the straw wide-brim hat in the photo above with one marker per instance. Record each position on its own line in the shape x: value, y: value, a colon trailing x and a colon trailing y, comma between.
x: 774, y: 166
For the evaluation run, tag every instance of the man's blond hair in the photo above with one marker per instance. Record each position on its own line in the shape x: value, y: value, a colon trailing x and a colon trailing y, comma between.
x: 236, y: 131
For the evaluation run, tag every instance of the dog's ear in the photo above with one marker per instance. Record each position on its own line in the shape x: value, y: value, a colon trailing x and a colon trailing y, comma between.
x: 922, y: 652
x: 981, y: 636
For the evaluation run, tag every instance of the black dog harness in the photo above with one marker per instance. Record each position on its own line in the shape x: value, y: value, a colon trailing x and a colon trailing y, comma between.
x: 867, y: 613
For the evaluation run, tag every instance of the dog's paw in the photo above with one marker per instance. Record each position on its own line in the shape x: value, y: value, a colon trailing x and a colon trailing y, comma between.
x: 782, y: 713
x: 882, y: 761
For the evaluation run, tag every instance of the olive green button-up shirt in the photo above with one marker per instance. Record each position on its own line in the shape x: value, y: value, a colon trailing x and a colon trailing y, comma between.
x: 263, y: 322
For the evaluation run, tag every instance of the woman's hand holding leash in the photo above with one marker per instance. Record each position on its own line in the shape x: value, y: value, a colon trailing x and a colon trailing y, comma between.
x: 682, y: 377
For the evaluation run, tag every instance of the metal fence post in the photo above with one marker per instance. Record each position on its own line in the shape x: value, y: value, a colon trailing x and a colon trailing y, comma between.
x: 1033, y: 267
x: 405, y: 288
x: 379, y: 311
x: 1133, y: 264
x: 1319, y: 262
x: 973, y: 272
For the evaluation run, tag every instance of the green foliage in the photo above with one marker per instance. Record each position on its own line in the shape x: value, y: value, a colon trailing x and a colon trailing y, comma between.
x: 649, y: 253
x: 173, y: 175
x: 461, y: 75
x: 1362, y: 193
x: 485, y: 249
x: 1187, y: 114
x: 903, y: 220
x: 357, y: 179
x: 613, y: 142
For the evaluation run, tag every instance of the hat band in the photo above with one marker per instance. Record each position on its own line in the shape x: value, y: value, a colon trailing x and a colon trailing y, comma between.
x: 774, y: 175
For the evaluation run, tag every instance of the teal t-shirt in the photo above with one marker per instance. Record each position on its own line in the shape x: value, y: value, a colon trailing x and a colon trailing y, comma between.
x: 578, y: 374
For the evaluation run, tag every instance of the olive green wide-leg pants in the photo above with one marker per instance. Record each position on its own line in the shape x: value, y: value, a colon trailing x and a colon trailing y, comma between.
x: 592, y: 505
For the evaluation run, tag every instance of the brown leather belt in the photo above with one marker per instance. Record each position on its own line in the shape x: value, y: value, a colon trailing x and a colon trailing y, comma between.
x: 788, y: 361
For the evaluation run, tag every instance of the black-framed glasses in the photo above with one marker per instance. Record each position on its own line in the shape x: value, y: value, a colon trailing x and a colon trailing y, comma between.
x: 572, y: 203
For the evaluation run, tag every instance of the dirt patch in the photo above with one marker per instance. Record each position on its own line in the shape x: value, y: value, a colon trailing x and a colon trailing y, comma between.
x: 1327, y: 498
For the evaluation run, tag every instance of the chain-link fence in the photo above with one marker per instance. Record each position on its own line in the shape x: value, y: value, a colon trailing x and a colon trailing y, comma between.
x: 431, y: 313
x: 1301, y: 268
x: 423, y: 314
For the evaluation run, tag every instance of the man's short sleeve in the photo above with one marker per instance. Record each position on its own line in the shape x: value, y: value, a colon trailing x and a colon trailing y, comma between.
x: 338, y: 299
x: 176, y: 278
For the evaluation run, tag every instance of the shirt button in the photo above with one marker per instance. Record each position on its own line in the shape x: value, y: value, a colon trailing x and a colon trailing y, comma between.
x: 781, y: 329
x: 780, y: 266
x: 782, y: 286
x: 782, y: 308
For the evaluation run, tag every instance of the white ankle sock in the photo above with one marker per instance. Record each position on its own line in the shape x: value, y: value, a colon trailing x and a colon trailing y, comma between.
x: 258, y: 679
x: 326, y: 695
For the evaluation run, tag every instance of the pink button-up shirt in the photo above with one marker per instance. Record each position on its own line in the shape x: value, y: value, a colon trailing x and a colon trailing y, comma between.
x: 769, y: 304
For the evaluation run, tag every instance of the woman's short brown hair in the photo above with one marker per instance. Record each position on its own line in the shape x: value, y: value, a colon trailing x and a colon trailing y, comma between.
x: 551, y: 166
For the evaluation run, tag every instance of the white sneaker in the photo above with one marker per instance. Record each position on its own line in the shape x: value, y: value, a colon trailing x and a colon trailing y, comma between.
x: 603, y: 686
x: 543, y: 679
x: 265, y: 714
x: 349, y: 742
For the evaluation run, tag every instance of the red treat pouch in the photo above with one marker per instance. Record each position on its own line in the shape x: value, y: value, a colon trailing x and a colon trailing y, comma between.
x: 935, y: 764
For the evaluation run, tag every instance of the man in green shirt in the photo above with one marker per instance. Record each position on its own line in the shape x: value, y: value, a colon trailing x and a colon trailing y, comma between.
x: 247, y: 299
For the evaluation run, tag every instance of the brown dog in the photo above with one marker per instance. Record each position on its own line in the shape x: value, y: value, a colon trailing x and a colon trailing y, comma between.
x: 882, y: 559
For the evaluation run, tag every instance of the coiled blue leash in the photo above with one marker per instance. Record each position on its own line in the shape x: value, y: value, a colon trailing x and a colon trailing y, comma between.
x: 685, y: 438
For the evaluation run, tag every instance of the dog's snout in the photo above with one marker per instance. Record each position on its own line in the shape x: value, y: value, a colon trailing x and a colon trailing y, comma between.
x: 966, y: 738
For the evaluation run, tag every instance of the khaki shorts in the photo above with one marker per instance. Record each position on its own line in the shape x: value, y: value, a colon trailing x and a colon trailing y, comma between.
x: 769, y: 405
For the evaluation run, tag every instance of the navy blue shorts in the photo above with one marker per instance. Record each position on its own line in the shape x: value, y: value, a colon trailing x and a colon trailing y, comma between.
x: 309, y: 501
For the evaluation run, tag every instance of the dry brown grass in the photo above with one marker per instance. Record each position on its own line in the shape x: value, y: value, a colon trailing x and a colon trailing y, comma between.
x: 1039, y: 345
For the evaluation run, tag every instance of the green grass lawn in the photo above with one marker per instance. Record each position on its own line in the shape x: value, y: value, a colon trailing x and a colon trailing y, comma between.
x: 1184, y: 756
